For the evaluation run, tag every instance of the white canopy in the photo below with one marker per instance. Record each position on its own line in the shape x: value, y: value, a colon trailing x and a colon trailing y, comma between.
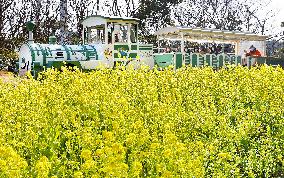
x: 189, y: 33
x: 240, y: 39
x: 98, y: 20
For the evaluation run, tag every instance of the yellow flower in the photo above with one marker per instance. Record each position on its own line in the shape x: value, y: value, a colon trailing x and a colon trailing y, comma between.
x: 99, y: 152
x: 86, y: 154
x: 108, y: 135
x: 43, y: 166
x: 89, y: 164
x: 224, y: 156
x: 167, y: 153
x: 136, y: 168
x: 78, y: 174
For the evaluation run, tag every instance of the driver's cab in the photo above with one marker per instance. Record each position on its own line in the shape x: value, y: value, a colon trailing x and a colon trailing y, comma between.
x: 114, y: 38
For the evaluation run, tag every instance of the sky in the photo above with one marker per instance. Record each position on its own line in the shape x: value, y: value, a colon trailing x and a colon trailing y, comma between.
x: 273, y: 24
x: 278, y: 6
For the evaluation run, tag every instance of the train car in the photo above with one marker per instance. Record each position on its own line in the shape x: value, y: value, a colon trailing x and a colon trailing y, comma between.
x: 179, y: 45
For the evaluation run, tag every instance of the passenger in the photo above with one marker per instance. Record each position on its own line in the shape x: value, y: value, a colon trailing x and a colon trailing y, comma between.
x: 213, y: 49
x: 244, y: 58
x: 168, y: 49
x: 208, y: 50
x: 202, y: 50
x: 219, y: 49
x: 253, y: 52
x: 188, y: 51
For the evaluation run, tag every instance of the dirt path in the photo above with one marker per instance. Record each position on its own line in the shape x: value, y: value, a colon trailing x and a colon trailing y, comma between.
x: 6, y: 76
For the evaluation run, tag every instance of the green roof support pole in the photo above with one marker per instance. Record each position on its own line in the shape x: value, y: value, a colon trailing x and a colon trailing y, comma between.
x: 30, y: 27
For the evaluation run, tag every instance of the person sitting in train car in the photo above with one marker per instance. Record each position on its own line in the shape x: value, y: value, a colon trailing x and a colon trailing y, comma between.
x: 168, y: 49
x: 253, y: 52
x: 244, y: 58
x: 187, y: 50
x: 219, y: 49
x: 202, y: 50
x: 213, y: 49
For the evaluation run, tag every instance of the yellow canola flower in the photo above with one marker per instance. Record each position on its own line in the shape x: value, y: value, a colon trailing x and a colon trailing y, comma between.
x: 131, y: 138
x: 43, y: 166
x: 86, y: 154
x: 118, y: 148
x: 108, y: 135
x: 78, y: 174
x: 99, y: 152
x: 11, y: 164
x: 190, y: 122
x: 224, y: 156
x: 167, y: 153
x: 154, y: 146
x: 136, y: 168
x: 89, y: 164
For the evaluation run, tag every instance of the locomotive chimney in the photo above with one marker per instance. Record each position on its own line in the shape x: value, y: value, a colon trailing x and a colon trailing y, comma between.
x: 30, y: 27
x: 52, y: 40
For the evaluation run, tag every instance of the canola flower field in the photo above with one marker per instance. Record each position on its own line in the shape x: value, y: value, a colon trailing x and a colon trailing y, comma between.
x: 193, y: 122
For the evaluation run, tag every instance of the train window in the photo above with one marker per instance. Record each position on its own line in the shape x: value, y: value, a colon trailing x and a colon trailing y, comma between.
x: 96, y: 35
x: 120, y: 33
x: 123, y: 33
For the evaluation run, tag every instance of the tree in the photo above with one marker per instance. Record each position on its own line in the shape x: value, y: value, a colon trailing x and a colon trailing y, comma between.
x: 81, y: 9
x: 219, y: 14
x: 253, y: 11
x: 156, y: 13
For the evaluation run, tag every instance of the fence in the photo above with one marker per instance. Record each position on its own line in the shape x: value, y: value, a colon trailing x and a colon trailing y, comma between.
x: 216, y: 61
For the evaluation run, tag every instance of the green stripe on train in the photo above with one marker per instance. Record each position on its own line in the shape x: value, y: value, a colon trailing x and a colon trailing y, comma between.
x: 59, y: 64
x: 118, y: 47
x: 131, y: 55
x: 133, y: 47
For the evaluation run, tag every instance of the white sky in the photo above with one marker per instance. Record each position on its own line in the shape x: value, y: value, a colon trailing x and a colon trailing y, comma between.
x: 273, y: 24
x: 277, y: 6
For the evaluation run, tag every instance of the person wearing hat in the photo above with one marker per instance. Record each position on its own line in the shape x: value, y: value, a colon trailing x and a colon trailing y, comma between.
x: 244, y: 58
x: 253, y: 52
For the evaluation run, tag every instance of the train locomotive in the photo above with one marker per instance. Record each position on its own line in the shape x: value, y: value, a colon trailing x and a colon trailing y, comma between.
x: 106, y: 41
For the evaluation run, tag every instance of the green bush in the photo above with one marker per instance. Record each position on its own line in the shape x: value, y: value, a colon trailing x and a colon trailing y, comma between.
x: 7, y: 58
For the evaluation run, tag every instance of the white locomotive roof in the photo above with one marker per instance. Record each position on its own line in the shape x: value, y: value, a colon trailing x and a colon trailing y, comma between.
x: 98, y: 19
x: 207, y: 34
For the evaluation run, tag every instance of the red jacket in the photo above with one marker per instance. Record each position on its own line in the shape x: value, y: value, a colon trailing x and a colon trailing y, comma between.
x: 255, y: 53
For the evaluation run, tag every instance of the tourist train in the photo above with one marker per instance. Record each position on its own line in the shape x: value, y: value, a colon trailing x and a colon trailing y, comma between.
x: 109, y: 41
